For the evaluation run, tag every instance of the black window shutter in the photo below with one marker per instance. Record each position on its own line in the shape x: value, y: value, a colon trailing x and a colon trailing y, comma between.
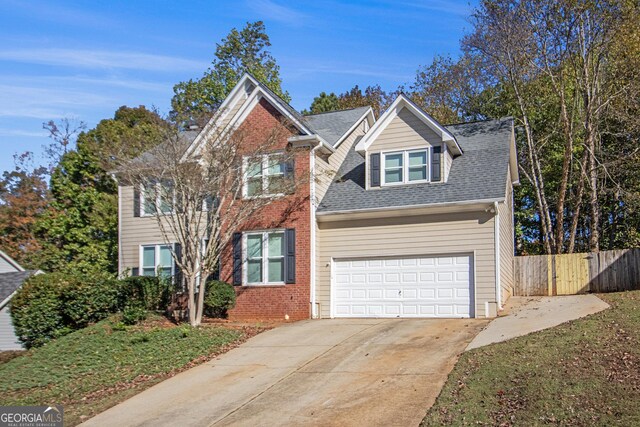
x: 436, y: 160
x: 136, y: 201
x: 289, y: 174
x: 289, y: 166
x: 290, y: 255
x: 135, y: 271
x: 374, y: 169
x: 216, y: 274
x: 237, y: 259
x: 177, y: 248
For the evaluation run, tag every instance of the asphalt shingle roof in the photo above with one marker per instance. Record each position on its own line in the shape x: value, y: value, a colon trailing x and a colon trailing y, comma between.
x: 10, y: 282
x: 330, y: 126
x: 480, y: 173
x: 333, y: 125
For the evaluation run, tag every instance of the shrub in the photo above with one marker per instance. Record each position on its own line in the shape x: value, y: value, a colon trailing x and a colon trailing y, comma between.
x: 150, y: 292
x: 133, y: 314
x: 51, y: 305
x: 37, y: 308
x: 219, y: 298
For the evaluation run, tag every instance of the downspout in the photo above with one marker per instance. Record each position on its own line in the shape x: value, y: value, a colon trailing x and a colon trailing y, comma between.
x: 496, y: 234
x: 312, y: 227
x: 119, y: 226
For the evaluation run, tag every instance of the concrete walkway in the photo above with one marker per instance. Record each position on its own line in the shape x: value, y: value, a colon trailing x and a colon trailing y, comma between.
x: 347, y: 372
x: 531, y: 314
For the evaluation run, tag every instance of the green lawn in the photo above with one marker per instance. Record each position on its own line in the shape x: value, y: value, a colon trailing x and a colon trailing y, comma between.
x: 582, y: 373
x: 94, y: 368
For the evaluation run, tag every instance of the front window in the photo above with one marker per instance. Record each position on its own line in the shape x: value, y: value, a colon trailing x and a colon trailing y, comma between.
x: 264, y: 257
x: 406, y: 167
x: 157, y: 260
x: 157, y: 197
x: 264, y: 175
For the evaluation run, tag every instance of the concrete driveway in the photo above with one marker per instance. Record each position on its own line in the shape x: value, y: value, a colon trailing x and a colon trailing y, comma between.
x: 363, y: 372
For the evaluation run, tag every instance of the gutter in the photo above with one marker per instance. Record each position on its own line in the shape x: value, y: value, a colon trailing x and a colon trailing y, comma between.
x: 394, y: 208
x: 314, y: 140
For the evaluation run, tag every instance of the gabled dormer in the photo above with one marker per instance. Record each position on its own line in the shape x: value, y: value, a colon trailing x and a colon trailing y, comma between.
x: 407, y: 146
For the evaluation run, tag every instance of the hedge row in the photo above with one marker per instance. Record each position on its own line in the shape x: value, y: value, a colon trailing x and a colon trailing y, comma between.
x: 48, y: 306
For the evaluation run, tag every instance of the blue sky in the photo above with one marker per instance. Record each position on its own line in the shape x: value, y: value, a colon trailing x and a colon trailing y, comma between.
x: 84, y: 59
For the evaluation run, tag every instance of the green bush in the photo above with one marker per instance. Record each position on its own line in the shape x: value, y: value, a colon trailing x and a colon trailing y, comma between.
x: 51, y: 305
x: 37, y: 308
x: 151, y: 292
x: 133, y: 314
x: 219, y: 298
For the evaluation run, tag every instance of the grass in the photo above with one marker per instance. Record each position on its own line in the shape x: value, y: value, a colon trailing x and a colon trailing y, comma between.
x: 92, y: 369
x: 582, y: 373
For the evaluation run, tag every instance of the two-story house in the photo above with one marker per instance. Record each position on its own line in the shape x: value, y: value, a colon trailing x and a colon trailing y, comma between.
x: 405, y: 217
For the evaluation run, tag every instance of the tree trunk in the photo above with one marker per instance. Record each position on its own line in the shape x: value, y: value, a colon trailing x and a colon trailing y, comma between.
x: 192, y: 312
x: 594, y: 207
x: 577, y: 204
x: 201, y: 293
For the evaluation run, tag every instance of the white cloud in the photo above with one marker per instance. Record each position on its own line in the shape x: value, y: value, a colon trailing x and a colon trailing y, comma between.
x: 23, y: 133
x: 85, y: 58
x: 47, y: 103
x: 268, y: 9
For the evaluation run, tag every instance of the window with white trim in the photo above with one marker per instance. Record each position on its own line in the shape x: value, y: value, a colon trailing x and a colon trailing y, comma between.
x: 265, y: 175
x: 404, y: 167
x: 156, y: 260
x: 264, y: 254
x: 157, y: 197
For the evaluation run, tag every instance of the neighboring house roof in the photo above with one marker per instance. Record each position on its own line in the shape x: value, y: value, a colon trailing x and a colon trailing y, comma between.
x: 11, y: 282
x: 333, y: 125
x: 478, y: 174
x: 11, y: 261
x: 185, y: 138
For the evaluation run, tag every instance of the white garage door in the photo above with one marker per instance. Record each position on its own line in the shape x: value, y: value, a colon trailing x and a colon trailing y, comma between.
x: 403, y: 287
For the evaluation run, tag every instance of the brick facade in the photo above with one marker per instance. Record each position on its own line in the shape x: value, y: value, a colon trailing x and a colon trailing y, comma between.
x: 290, y: 301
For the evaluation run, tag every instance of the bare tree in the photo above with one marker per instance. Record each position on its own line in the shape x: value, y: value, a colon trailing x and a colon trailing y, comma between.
x: 201, y: 197
x: 63, y: 134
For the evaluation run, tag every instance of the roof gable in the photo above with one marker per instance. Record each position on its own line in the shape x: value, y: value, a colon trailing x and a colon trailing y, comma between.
x: 250, y: 87
x: 403, y: 102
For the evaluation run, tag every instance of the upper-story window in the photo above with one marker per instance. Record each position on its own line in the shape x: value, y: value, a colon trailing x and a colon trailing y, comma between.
x: 403, y: 167
x: 158, y: 197
x: 265, y: 175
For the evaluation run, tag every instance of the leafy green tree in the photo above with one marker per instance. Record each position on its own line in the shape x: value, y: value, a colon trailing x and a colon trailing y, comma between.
x: 241, y: 51
x: 372, y: 96
x: 79, y: 229
x: 323, y: 103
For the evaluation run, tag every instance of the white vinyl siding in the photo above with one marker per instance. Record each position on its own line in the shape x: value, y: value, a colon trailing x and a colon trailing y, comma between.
x: 8, y: 338
x: 6, y: 266
x: 410, y: 236
x: 404, y: 131
x: 326, y: 169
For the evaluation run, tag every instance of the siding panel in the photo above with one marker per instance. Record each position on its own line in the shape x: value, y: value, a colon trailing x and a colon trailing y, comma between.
x: 407, y: 236
x: 8, y: 338
x: 404, y: 131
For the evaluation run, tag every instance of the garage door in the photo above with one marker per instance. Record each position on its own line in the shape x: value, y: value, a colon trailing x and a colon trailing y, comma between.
x: 434, y: 286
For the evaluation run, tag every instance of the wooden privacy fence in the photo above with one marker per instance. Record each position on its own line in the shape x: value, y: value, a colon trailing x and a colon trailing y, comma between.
x: 569, y: 274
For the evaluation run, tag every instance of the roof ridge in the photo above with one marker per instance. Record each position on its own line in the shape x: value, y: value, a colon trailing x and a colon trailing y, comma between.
x: 480, y: 121
x: 336, y: 111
